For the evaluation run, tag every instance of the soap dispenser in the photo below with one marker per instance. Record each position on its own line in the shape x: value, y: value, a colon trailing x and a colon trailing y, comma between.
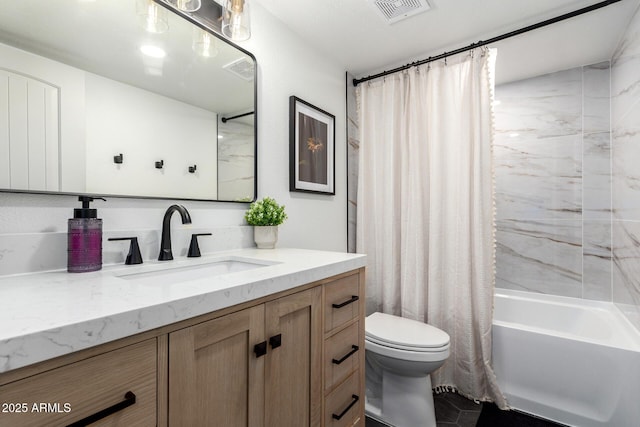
x: 85, y: 238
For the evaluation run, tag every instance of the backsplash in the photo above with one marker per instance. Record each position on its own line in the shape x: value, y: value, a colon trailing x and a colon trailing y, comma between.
x: 33, y: 230
x: 553, y: 187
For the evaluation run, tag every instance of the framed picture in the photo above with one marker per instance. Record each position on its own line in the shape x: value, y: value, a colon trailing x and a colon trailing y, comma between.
x: 311, y: 148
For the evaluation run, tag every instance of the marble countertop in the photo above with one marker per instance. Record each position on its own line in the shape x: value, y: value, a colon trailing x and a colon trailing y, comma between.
x: 50, y: 314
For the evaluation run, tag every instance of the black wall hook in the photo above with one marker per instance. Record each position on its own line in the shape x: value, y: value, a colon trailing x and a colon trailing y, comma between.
x: 192, y: 169
x: 118, y: 159
x: 160, y: 164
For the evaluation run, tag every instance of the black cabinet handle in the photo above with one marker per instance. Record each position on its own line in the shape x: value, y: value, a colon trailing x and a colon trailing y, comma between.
x: 275, y: 341
x: 354, y: 348
x: 354, y: 298
x: 129, y: 399
x: 260, y: 349
x: 343, y: 413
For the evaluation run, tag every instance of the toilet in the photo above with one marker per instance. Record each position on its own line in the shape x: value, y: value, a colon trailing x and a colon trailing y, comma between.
x: 400, y: 356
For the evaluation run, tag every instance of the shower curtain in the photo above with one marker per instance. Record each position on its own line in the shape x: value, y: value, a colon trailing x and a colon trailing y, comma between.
x: 426, y: 208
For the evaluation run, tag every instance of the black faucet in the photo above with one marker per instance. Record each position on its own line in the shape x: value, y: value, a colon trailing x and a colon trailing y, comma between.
x: 165, y: 244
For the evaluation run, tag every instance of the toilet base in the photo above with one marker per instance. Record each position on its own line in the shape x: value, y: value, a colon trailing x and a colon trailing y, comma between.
x: 406, y: 401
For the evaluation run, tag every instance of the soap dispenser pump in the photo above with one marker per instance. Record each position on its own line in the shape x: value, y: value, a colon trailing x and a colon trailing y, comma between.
x: 85, y: 238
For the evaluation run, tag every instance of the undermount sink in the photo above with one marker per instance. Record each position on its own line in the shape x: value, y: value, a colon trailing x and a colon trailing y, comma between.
x: 185, y: 273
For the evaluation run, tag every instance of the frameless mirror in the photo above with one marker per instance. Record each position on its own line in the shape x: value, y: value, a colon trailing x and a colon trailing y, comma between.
x: 124, y: 98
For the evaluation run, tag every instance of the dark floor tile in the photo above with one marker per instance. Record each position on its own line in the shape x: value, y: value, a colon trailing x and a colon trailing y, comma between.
x: 492, y: 416
x: 370, y: 422
x: 461, y: 402
x: 469, y: 418
x: 445, y: 411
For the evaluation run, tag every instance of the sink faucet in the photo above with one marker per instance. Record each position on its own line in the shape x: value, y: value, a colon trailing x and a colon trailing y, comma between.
x: 165, y: 244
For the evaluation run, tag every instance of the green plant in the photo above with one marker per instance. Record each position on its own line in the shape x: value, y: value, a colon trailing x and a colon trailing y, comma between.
x: 265, y: 212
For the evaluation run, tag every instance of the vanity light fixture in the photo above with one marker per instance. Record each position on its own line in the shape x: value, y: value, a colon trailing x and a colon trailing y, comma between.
x: 204, y: 44
x: 186, y: 5
x: 153, y: 18
x: 236, y: 22
x: 153, y: 51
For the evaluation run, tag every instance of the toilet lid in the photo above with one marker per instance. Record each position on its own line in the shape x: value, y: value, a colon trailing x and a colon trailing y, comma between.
x: 394, y: 330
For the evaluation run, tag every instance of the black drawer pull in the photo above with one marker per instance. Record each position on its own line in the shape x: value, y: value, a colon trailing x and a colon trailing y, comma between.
x: 353, y: 298
x: 354, y: 348
x: 129, y: 399
x: 260, y: 349
x: 275, y: 341
x: 343, y: 413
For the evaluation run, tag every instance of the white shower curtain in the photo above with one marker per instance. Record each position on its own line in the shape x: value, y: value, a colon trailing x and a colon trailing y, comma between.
x: 426, y: 209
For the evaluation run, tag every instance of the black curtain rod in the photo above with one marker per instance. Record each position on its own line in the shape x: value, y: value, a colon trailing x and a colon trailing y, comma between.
x: 491, y: 40
x: 226, y: 119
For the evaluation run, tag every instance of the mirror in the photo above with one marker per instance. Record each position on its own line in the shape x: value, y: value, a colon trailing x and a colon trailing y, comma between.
x: 125, y: 98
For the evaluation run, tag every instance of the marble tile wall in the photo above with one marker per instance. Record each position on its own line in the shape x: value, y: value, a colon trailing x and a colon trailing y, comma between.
x: 625, y: 115
x: 553, y: 183
x: 236, y: 159
x: 553, y: 166
x: 353, y: 145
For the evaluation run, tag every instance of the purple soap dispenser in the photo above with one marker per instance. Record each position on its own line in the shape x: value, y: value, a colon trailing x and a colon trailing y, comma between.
x: 84, y: 238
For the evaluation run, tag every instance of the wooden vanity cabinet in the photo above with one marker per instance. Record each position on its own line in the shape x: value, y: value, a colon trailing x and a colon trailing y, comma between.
x: 253, y: 368
x: 344, y: 362
x: 292, y: 359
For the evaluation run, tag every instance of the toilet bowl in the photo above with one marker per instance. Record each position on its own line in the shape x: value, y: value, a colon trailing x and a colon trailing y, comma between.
x: 401, y: 354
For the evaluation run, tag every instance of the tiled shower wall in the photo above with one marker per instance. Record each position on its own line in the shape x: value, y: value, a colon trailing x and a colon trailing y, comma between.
x: 568, y: 185
x: 625, y: 114
x: 553, y: 183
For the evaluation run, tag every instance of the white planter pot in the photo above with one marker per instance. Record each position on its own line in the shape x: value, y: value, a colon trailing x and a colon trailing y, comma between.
x: 265, y: 236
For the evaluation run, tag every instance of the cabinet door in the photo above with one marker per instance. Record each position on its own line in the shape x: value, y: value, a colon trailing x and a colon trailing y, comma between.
x: 293, y: 385
x: 215, y: 379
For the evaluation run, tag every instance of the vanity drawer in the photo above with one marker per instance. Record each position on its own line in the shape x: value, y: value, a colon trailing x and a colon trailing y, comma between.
x: 341, y: 355
x: 341, y: 301
x: 345, y: 406
x: 73, y: 392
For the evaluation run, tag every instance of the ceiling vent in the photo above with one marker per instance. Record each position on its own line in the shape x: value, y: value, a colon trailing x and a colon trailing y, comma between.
x: 396, y: 10
x: 242, y: 68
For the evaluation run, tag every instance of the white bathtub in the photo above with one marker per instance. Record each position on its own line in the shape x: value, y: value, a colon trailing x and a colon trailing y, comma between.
x: 573, y: 361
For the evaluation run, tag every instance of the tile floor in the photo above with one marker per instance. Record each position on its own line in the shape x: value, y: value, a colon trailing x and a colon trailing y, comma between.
x: 453, y: 410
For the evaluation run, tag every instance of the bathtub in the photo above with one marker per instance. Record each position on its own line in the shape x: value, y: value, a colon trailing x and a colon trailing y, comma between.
x: 569, y: 360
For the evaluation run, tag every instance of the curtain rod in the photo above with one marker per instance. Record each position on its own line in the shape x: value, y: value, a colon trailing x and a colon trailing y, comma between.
x: 491, y: 40
x: 226, y: 119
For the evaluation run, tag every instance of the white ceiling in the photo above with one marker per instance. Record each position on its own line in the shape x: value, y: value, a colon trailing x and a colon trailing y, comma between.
x: 352, y: 32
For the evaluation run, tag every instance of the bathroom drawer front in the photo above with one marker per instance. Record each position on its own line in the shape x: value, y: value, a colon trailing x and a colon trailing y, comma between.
x: 341, y: 301
x: 346, y: 402
x: 341, y: 355
x: 70, y: 393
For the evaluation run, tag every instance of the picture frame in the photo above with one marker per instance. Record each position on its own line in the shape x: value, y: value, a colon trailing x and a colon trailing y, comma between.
x: 311, y: 148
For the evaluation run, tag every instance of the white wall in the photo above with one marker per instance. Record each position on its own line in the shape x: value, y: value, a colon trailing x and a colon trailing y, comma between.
x: 33, y: 227
x: 290, y: 67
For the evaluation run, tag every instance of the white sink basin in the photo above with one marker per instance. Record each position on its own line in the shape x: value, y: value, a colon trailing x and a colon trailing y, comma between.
x: 185, y: 273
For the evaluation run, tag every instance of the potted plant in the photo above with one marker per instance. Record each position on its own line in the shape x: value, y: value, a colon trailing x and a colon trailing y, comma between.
x: 265, y: 215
